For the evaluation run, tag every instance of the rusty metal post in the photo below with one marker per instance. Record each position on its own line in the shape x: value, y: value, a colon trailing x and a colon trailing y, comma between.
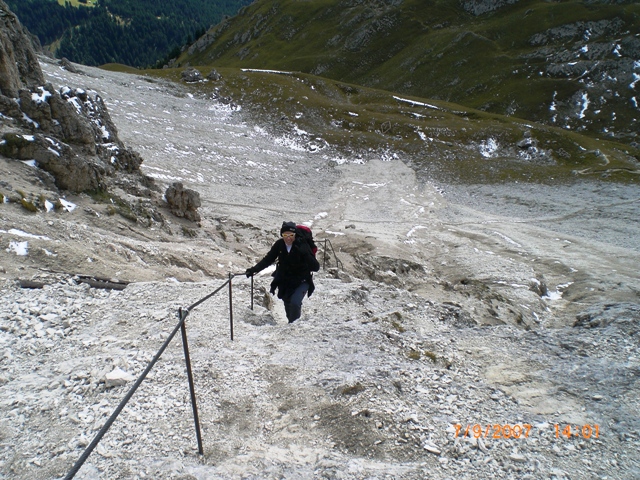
x: 230, y: 307
x: 324, y: 255
x: 187, y: 358
x: 251, y: 292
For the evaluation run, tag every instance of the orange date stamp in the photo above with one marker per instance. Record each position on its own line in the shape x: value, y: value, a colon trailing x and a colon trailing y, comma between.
x: 494, y: 431
x: 499, y: 431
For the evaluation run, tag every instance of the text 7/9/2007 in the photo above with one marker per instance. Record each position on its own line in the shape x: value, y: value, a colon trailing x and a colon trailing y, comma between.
x: 494, y: 431
x: 498, y: 431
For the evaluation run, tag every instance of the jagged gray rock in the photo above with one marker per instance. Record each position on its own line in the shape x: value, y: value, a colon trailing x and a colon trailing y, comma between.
x: 479, y: 7
x: 69, y: 133
x: 214, y: 75
x: 183, y: 202
x: 18, y: 61
x: 70, y: 171
x: 191, y: 75
x: 67, y: 65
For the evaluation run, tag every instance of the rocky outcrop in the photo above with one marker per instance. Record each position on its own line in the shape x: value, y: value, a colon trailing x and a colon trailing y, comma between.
x: 71, y: 172
x: 68, y: 132
x: 479, y: 7
x: 18, y: 62
x: 183, y: 202
x: 68, y: 66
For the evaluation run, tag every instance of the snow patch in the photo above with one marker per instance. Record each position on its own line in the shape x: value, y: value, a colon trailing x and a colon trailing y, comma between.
x: 415, y: 229
x: 40, y: 97
x: 488, y: 147
x: 512, y: 242
x: 557, y: 295
x: 413, y: 102
x: 68, y: 206
x: 20, y: 233
x: 616, y: 50
x: 19, y: 248
x: 585, y: 105
x: 281, y: 72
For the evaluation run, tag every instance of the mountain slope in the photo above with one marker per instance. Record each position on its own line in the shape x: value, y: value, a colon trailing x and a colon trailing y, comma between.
x: 384, y: 365
x: 572, y: 64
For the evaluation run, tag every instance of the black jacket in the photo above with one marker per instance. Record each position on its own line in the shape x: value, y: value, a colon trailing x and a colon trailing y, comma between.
x: 293, y: 267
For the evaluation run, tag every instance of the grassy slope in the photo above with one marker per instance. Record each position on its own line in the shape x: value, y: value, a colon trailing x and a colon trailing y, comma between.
x: 442, y: 142
x: 434, y: 49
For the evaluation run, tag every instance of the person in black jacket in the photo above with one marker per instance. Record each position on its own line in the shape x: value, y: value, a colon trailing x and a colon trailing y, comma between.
x: 292, y: 278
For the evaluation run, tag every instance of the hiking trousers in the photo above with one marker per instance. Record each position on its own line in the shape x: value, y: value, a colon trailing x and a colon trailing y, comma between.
x: 293, y: 302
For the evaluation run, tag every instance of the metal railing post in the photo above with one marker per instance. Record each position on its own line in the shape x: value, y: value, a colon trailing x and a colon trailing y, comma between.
x: 324, y: 255
x: 119, y: 408
x: 192, y: 391
x: 182, y: 314
x: 230, y: 307
x: 251, y: 292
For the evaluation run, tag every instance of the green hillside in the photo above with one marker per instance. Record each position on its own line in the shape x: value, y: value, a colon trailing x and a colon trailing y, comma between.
x: 573, y: 64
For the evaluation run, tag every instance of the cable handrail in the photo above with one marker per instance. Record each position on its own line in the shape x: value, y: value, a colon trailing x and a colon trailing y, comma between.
x: 325, y: 252
x: 183, y: 313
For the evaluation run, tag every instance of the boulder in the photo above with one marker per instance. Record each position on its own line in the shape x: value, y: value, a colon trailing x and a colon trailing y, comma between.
x: 183, y: 202
x: 68, y: 66
x: 191, y: 75
x: 214, y: 75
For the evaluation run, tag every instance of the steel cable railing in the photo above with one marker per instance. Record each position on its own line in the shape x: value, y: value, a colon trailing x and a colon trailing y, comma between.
x: 325, y: 254
x: 183, y: 313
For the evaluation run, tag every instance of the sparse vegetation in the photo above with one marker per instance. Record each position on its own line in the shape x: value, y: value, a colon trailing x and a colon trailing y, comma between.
x: 511, y: 60
x: 352, y: 389
x: 398, y: 326
x: 28, y: 205
x: 430, y: 355
x: 441, y: 139
x: 189, y: 232
x: 414, y: 354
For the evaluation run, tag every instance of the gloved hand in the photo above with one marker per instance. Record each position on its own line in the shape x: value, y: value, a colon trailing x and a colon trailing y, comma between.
x: 250, y: 272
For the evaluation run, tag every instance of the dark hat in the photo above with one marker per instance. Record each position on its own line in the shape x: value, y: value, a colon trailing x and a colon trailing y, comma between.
x: 288, y: 227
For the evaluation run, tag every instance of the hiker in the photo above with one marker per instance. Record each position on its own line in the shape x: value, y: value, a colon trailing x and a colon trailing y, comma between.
x: 292, y: 278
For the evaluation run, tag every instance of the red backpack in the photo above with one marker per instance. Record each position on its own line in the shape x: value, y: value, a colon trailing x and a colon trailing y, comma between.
x: 304, y: 232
